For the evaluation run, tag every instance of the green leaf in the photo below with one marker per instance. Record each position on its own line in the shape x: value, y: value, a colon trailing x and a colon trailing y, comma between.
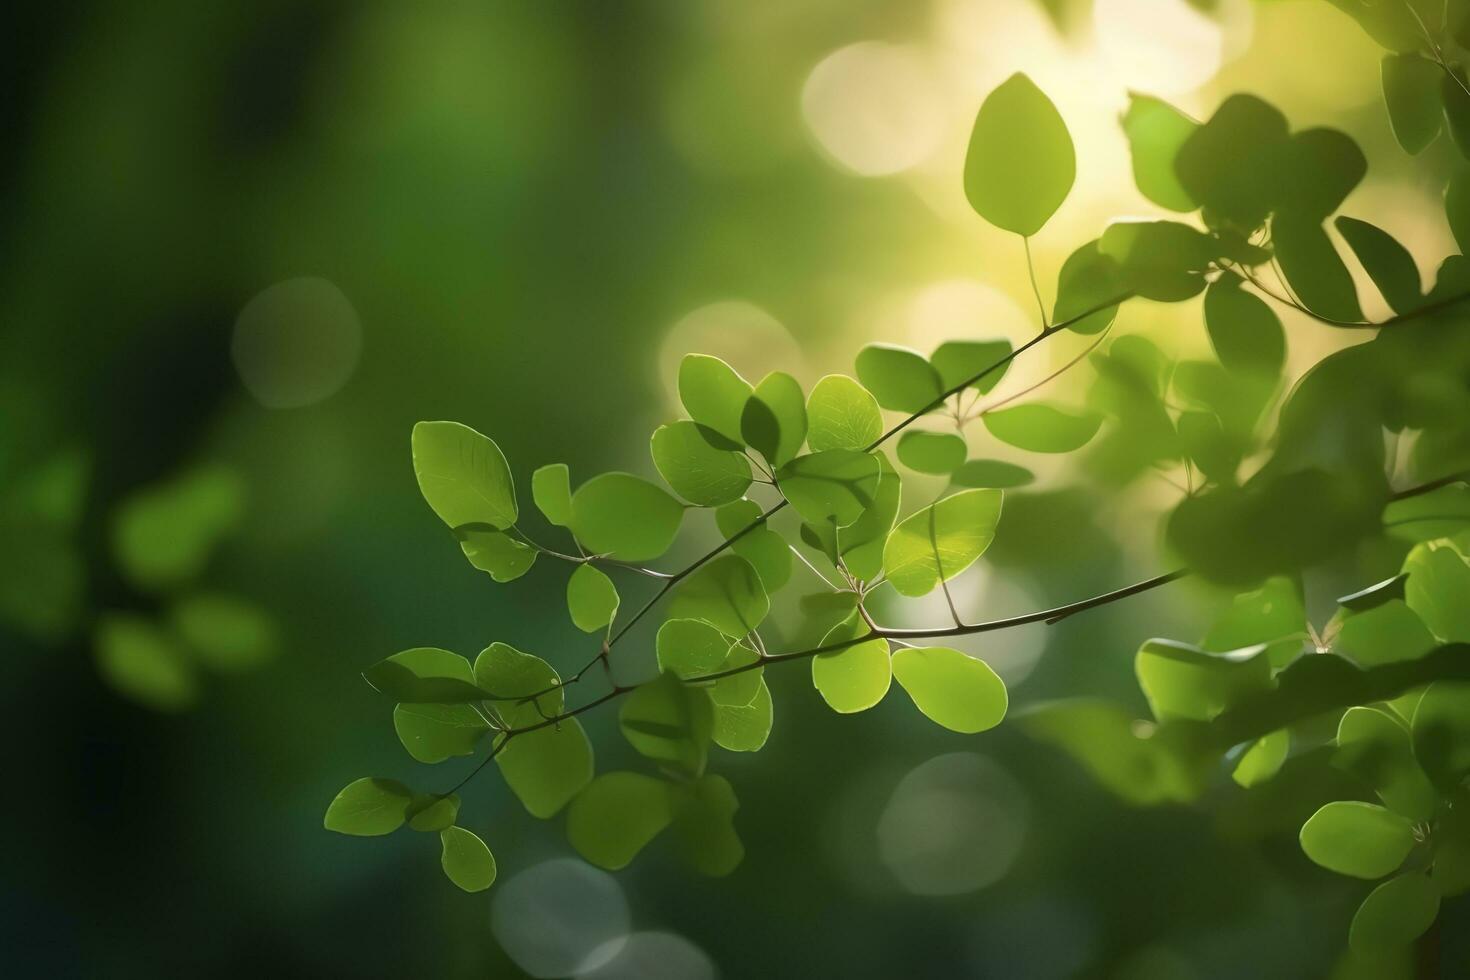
x: 941, y: 541
x: 425, y: 675
x: 1272, y: 614
x: 433, y: 732
x: 1441, y: 732
x: 704, y: 828
x: 551, y: 488
x: 592, y: 599
x: 744, y: 728
x: 617, y: 816
x: 430, y: 813
x: 1360, y: 840
x: 1156, y: 131
x: 144, y: 663
x: 991, y: 473
x: 842, y: 414
x: 1457, y: 207
x: 510, y: 674
x: 1318, y: 169
x: 954, y: 690
x: 834, y: 486
x: 726, y: 593
x: 773, y: 422
x: 163, y: 535
x: 738, y: 690
x: 699, y: 472
x: 1159, y: 260
x: 669, y: 722
x: 621, y: 516
x: 1263, y: 759
x: 1437, y: 587
x: 224, y: 631
x: 1041, y: 427
x: 1375, y: 747
x: 855, y: 677
x: 1184, y: 682
x: 861, y: 543
x: 957, y: 361
x: 1456, y: 108
x: 369, y: 808
x: 1383, y: 634
x: 714, y: 395
x: 496, y: 553
x: 1394, y: 914
x: 1388, y: 263
x: 1411, y: 92
x: 1245, y: 332
x: 899, y: 378
x: 691, y: 648
x: 1313, y: 268
x: 547, y: 767
x: 931, y: 452
x: 466, y: 860
x: 1088, y: 278
x: 1375, y: 595
x: 1427, y: 516
x: 1202, y: 438
x: 766, y: 550
x: 1228, y: 165
x: 463, y: 475
x: 1020, y: 164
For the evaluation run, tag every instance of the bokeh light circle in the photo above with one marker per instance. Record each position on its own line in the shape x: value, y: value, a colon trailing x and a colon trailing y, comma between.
x: 875, y: 108
x: 654, y: 956
x: 1168, y: 47
x: 742, y: 334
x: 296, y: 343
x: 560, y: 918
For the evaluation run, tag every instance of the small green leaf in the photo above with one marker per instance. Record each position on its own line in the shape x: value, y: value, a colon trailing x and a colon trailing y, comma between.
x: 616, y: 816
x: 1272, y: 614
x: 1040, y: 427
x: 431, y: 813
x: 1426, y: 516
x: 1263, y: 759
x: 1088, y: 278
x: 1318, y: 168
x: 842, y: 414
x: 954, y: 690
x: 991, y: 473
x: 1386, y: 633
x: 1411, y: 92
x: 855, y: 677
x: 931, y: 452
x: 225, y: 632
x: 1375, y: 747
x: 496, y: 553
x: 669, y: 722
x: 1441, y: 732
x: 957, y: 361
x: 463, y: 475
x: 592, y: 599
x: 1156, y: 131
x: 726, y: 593
x: 1438, y: 583
x: 773, y: 422
x: 1184, y: 682
x: 1313, y: 268
x: 861, y: 543
x: 144, y: 662
x: 425, y: 675
x: 162, y: 536
x: 1228, y: 165
x: 466, y: 860
x: 713, y: 394
x: 1159, y: 260
x: 834, y: 486
x: 1360, y: 840
x: 762, y: 547
x: 739, y: 689
x: 704, y: 828
x: 551, y: 488
x: 1394, y: 914
x: 899, y: 378
x: 744, y: 728
x: 369, y: 808
x: 624, y: 517
x: 547, y: 767
x: 1245, y: 332
x: 509, y: 674
x: 941, y: 541
x: 433, y: 732
x: 700, y: 473
x: 691, y: 648
x: 1388, y: 263
x: 1020, y: 164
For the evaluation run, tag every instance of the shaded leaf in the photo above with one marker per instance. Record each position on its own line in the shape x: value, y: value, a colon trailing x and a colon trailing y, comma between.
x: 1040, y: 427
x: 616, y: 816
x: 714, y: 395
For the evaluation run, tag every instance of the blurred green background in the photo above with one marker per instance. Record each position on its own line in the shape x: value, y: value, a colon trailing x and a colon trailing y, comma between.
x: 519, y: 215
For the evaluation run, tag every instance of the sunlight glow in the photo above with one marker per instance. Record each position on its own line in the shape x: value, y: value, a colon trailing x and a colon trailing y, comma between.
x: 875, y: 108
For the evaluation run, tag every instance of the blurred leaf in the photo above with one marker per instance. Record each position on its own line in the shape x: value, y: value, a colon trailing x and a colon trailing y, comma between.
x: 691, y: 648
x: 1426, y: 516
x: 1272, y: 614
x: 744, y: 728
x: 959, y: 360
x: 1395, y: 914
x: 616, y: 816
x: 1457, y: 207
x: 1020, y: 164
x: 551, y: 488
x: 1040, y: 427
x: 1156, y: 131
x: 1245, y: 332
x: 466, y: 860
x: 991, y: 473
x: 369, y: 808
x: 1388, y: 263
x: 931, y: 452
x: 704, y: 828
x: 773, y: 422
x: 592, y: 599
x: 548, y: 766
x: 1441, y: 732
x: 463, y: 475
x: 766, y: 550
x: 669, y: 722
x: 714, y: 395
x: 834, y: 486
x: 1318, y: 169
x: 1183, y: 681
x: 856, y: 677
x: 1088, y: 278
x: 621, y: 516
x: 954, y: 690
x: 1361, y: 840
x: 163, y: 535
x: 425, y: 675
x: 225, y: 632
x: 726, y: 593
x: 496, y: 553
x: 1159, y: 260
x: 1375, y: 595
x: 899, y: 378
x: 433, y: 732
x: 144, y: 663
x: 1263, y: 760
x: 1437, y: 587
x: 941, y: 540
x: 1228, y: 164
x: 1456, y: 108
x: 842, y: 415
x: 1375, y: 747
x: 1383, y: 634
x: 698, y: 472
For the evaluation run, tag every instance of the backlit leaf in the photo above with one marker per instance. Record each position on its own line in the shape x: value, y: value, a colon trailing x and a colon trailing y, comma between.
x: 774, y: 422
x: 425, y: 675
x: 551, y: 488
x: 466, y: 860
x: 592, y: 599
x: 899, y: 378
x: 463, y: 475
x: 1156, y: 131
x: 1360, y: 840
x: 855, y: 677
x: 1020, y: 164
x: 726, y: 592
x: 941, y: 541
x: 842, y: 414
x: 698, y: 472
x: 369, y: 808
x: 616, y: 816
x: 830, y: 487
x: 931, y: 452
x: 624, y: 517
x: 1040, y: 427
x: 714, y: 395
x: 954, y: 690
x: 548, y: 766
